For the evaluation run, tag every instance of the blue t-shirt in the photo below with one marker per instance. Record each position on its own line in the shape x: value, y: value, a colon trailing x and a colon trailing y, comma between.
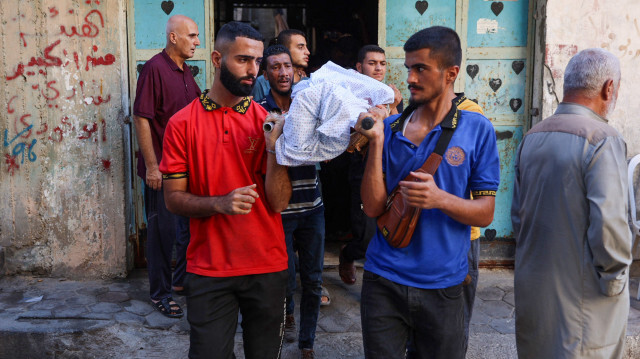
x: 437, y: 255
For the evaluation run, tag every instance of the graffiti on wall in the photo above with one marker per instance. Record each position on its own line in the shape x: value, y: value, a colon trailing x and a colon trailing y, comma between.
x: 26, y: 130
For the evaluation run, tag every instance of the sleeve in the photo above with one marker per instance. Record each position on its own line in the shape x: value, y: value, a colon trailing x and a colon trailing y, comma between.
x: 174, y: 163
x: 608, y: 235
x: 145, y: 102
x: 515, y: 202
x: 485, y: 171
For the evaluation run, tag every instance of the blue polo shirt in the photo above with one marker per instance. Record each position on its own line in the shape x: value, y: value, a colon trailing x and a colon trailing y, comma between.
x: 437, y: 255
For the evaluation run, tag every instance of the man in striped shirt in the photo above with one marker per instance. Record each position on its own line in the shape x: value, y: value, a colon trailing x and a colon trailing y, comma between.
x: 304, y: 217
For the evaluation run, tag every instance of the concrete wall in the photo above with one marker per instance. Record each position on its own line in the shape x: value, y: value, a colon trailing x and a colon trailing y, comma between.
x: 568, y: 26
x: 63, y: 68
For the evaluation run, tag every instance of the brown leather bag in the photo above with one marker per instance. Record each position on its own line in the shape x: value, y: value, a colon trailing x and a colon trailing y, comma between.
x: 399, y: 220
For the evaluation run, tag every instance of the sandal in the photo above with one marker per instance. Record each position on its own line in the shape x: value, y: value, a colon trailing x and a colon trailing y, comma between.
x: 166, y: 308
x: 325, y: 299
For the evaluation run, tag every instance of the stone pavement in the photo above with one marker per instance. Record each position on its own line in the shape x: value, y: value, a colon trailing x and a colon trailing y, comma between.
x: 43, y: 317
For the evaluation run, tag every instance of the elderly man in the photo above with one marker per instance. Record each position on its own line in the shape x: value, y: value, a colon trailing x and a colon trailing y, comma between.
x: 165, y: 86
x: 220, y: 169
x: 569, y: 213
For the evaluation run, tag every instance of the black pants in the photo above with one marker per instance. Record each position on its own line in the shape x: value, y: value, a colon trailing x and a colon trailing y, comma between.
x: 213, y: 305
x: 391, y: 311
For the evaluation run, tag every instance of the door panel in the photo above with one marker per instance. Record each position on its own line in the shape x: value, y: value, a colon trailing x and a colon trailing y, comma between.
x: 406, y: 17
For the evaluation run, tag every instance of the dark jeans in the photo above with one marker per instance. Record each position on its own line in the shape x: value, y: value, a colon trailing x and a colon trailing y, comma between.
x: 213, y: 304
x: 473, y: 257
x: 164, y: 229
x: 308, y: 232
x: 390, y: 311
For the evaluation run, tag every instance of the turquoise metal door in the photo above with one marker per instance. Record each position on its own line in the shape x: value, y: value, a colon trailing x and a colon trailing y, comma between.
x: 146, y: 24
x: 495, y: 73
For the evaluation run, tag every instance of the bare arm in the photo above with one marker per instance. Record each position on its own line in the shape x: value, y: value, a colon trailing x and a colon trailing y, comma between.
x: 373, y: 191
x: 179, y: 201
x: 277, y: 185
x: 426, y: 194
x: 143, y: 134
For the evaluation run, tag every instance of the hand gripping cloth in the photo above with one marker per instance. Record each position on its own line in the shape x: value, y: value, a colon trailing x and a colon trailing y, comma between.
x: 324, y: 108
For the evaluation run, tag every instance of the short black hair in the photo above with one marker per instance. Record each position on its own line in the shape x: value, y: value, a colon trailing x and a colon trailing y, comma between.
x: 233, y: 29
x: 284, y: 37
x: 443, y: 42
x: 272, y: 51
x: 367, y: 49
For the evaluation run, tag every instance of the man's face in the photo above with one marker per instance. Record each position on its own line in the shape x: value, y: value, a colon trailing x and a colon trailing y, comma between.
x: 239, y: 65
x: 279, y: 73
x: 187, y: 40
x: 426, y: 80
x: 299, y: 52
x: 373, y: 65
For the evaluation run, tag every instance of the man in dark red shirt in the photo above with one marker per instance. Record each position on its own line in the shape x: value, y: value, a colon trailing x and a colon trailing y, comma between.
x: 165, y: 85
x: 220, y: 169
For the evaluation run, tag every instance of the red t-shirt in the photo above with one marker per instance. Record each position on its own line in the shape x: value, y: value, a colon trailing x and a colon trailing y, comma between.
x: 221, y: 149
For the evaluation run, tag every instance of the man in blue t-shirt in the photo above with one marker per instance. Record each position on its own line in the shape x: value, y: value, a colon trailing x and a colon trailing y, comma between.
x: 418, y: 288
x: 303, y: 218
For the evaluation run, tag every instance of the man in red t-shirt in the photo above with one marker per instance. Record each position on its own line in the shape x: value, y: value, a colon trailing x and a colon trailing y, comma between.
x: 219, y: 168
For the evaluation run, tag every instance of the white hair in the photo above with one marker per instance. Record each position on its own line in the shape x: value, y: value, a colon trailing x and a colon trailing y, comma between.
x: 588, y: 71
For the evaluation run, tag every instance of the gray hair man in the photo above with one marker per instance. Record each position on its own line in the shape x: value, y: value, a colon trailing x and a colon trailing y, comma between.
x: 569, y: 213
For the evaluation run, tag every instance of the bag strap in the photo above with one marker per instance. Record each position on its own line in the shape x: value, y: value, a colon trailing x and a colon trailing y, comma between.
x: 448, y: 126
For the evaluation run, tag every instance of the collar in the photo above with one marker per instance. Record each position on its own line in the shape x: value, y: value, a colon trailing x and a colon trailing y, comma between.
x: 209, y: 105
x: 570, y: 108
x: 271, y: 102
x: 450, y: 120
x: 172, y: 64
x: 460, y: 98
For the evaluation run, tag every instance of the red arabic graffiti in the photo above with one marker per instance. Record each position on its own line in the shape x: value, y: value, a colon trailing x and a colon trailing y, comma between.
x: 89, y: 29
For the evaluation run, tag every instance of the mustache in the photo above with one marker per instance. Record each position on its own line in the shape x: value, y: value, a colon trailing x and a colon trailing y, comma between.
x: 252, y: 78
x: 414, y: 87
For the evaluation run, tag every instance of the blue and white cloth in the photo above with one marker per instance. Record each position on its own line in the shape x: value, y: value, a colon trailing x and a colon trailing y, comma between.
x: 324, y: 108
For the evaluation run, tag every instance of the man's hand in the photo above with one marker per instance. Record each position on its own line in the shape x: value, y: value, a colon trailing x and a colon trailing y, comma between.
x: 397, y: 96
x: 154, y: 178
x: 271, y: 137
x: 423, y: 192
x: 378, y: 115
x: 238, y: 201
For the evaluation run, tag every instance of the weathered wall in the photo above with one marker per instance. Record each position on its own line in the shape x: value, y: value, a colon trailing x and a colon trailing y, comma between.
x: 574, y: 25
x: 61, y: 121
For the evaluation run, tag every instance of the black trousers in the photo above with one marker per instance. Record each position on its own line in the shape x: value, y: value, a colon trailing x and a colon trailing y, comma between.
x: 213, y: 305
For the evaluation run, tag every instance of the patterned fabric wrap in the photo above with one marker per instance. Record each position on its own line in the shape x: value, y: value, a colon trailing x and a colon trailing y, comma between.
x: 323, y: 110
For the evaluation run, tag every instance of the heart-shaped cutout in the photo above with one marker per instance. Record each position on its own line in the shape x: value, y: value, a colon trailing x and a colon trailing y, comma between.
x: 167, y: 6
x: 497, y: 7
x: 139, y: 67
x: 195, y: 70
x: 422, y: 6
x: 473, y: 70
x: 515, y: 104
x: 490, y: 234
x: 495, y: 84
x: 517, y: 66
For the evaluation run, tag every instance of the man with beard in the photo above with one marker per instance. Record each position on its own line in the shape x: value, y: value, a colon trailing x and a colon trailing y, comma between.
x: 220, y: 169
x: 418, y: 288
x: 304, y: 217
x: 569, y: 214
x: 165, y: 85
x: 296, y: 43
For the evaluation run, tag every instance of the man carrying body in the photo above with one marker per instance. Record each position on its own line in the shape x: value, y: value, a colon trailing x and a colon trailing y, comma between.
x: 419, y: 288
x: 220, y: 169
x: 569, y: 214
x: 304, y: 217
x: 296, y: 43
x: 373, y: 63
x: 165, y: 86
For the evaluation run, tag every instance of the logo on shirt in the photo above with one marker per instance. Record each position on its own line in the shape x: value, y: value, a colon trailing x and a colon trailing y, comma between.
x: 253, y: 142
x: 454, y: 156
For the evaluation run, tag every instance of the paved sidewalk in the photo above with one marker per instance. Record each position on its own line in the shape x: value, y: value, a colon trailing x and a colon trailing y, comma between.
x: 54, y: 318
